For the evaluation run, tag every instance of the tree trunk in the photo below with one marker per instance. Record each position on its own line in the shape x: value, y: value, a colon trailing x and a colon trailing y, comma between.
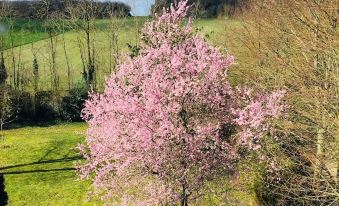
x: 66, y: 57
x: 1, y: 131
x: 184, y: 195
x: 53, y: 62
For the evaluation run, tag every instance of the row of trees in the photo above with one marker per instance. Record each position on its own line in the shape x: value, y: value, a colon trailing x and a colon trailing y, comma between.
x: 82, y: 19
x: 208, y: 8
x: 40, y: 9
x: 31, y: 92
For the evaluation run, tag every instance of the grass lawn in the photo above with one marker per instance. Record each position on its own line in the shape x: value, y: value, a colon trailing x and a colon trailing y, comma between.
x: 37, y: 164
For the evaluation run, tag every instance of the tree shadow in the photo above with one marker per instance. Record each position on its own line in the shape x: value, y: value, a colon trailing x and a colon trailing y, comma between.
x: 36, y: 171
x: 23, y: 123
x: 66, y: 159
x: 3, y: 193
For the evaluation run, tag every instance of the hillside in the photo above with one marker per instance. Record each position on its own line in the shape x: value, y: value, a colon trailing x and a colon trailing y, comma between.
x: 127, y: 34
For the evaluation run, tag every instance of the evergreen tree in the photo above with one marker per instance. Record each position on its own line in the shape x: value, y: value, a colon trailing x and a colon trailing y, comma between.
x: 36, y: 74
x: 3, y: 71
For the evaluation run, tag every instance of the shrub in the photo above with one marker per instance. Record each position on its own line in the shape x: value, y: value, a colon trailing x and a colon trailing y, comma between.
x: 72, y: 105
x: 24, y: 103
x: 46, y: 108
x: 8, y: 110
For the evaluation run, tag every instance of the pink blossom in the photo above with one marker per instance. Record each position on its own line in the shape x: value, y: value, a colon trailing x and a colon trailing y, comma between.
x: 168, y: 120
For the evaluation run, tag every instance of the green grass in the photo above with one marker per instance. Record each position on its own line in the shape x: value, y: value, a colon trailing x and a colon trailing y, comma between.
x: 38, y: 168
x: 215, y: 30
x: 39, y: 162
x: 24, y: 31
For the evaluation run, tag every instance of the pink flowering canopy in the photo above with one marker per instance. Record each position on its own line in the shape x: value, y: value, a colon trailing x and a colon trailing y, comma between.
x: 168, y: 120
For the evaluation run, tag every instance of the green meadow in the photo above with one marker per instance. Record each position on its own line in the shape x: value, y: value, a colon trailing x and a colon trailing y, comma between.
x: 18, y: 32
x: 128, y: 30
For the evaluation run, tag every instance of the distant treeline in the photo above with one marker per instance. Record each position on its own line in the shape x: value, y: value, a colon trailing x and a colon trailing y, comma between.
x: 41, y: 9
x: 207, y: 8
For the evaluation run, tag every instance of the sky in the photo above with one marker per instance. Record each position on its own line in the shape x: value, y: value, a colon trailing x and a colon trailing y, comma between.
x: 139, y: 7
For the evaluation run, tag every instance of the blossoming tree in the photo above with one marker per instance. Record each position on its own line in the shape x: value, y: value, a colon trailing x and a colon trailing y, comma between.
x: 168, y: 120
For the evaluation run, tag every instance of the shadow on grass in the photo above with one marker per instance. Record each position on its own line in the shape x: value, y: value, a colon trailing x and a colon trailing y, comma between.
x: 36, y: 171
x: 41, y: 124
x: 66, y: 159
x: 3, y: 193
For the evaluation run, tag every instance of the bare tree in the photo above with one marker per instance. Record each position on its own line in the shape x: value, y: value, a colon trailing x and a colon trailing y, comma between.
x: 296, y: 45
x: 50, y: 24
x: 7, y: 16
x: 69, y: 69
x: 83, y: 19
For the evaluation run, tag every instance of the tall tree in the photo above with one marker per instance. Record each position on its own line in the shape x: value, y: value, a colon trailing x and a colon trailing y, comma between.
x: 3, y: 71
x: 83, y: 19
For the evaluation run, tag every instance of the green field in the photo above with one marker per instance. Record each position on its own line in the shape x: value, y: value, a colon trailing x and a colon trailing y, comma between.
x: 216, y: 30
x: 18, y: 32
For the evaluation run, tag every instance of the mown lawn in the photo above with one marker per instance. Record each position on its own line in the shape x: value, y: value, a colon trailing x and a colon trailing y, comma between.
x: 37, y: 164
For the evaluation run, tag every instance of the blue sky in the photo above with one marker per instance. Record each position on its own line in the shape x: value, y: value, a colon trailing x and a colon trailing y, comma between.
x: 139, y: 7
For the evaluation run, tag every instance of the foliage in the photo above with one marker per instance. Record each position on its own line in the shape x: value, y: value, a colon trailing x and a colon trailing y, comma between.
x: 46, y: 107
x: 168, y: 120
x: 206, y: 8
x: 15, y: 105
x: 72, y: 105
x: 3, y: 71
x: 7, y: 108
